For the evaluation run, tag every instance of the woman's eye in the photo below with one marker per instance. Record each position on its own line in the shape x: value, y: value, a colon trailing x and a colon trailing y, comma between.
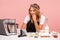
x: 30, y: 10
x: 34, y: 10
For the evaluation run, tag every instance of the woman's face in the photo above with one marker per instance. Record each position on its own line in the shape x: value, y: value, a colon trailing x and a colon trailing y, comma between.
x: 32, y: 10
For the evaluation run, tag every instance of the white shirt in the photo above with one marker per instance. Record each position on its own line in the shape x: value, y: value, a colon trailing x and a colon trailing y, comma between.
x: 41, y: 21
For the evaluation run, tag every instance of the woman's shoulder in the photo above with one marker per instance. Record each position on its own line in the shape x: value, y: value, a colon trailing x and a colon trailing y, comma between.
x: 27, y: 16
x: 42, y: 16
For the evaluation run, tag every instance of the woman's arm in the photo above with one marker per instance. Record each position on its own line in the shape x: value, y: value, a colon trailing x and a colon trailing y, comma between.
x: 25, y: 22
x: 38, y: 27
x: 23, y: 26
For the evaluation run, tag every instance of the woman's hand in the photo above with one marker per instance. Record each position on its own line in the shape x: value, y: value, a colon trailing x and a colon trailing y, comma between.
x: 34, y: 17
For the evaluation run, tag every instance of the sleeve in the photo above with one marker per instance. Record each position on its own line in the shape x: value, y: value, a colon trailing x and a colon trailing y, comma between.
x: 26, y: 19
x: 42, y: 20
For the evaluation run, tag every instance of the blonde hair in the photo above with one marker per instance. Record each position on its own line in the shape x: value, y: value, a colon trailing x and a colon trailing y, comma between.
x: 36, y: 6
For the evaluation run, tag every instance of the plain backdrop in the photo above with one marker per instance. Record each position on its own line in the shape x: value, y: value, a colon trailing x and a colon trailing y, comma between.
x: 18, y: 9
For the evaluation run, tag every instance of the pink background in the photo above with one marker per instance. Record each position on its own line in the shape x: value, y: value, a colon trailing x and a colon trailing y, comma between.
x: 18, y: 9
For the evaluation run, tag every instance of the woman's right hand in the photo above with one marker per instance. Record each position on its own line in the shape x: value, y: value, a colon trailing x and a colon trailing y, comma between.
x: 34, y: 17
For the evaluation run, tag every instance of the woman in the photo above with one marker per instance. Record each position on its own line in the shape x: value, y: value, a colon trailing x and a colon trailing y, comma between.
x: 34, y: 21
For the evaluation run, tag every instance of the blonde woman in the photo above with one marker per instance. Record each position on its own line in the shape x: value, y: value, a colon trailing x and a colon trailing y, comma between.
x: 34, y: 21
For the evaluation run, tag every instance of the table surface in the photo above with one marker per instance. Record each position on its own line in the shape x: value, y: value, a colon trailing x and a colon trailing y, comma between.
x: 15, y: 37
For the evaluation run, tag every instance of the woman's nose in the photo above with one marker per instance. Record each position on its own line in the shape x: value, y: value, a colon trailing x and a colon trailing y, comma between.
x: 32, y: 12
